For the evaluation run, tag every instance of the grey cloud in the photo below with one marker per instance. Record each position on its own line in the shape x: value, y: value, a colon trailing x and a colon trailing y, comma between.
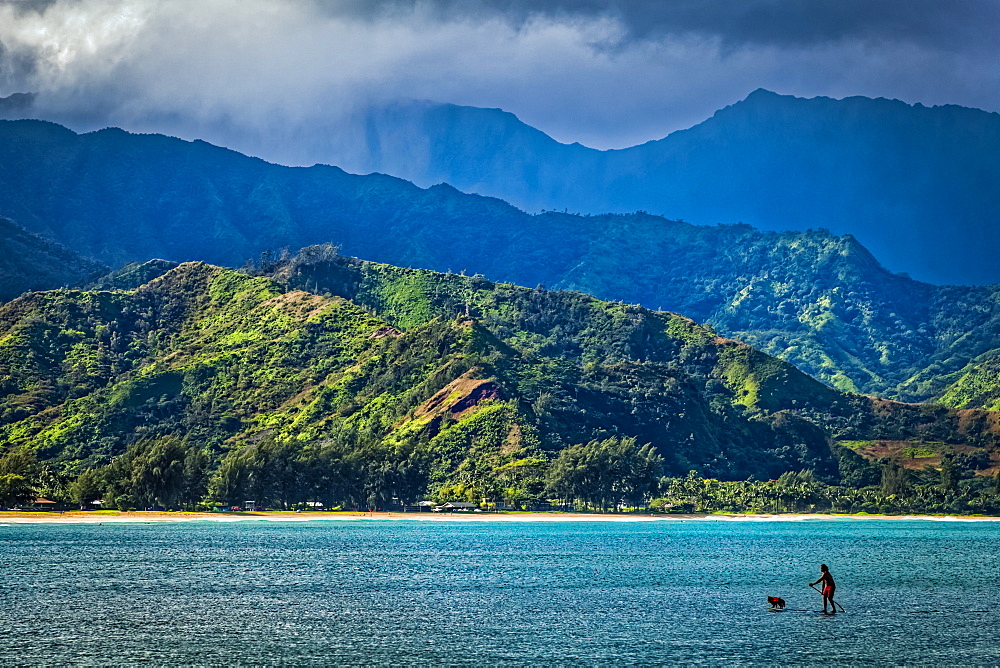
x: 266, y: 76
x: 17, y: 65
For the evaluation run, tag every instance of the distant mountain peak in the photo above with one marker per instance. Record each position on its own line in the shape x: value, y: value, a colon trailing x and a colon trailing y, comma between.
x: 914, y: 184
x: 16, y: 103
x: 764, y: 94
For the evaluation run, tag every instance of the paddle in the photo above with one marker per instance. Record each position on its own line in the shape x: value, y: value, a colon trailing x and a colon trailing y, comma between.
x: 834, y: 602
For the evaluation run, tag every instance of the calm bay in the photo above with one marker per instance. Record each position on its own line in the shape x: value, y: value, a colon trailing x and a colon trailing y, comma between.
x: 916, y: 592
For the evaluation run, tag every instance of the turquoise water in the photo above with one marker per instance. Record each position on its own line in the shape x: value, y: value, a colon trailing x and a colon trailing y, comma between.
x: 479, y: 593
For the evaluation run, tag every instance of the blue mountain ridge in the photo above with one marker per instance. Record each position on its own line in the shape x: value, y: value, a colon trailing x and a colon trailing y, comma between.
x: 919, y: 186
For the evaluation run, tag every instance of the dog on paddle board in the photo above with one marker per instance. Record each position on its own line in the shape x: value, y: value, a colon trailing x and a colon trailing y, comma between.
x: 776, y: 602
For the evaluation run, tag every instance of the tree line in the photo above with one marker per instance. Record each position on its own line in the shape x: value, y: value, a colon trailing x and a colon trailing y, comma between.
x: 612, y: 474
x: 898, y: 492
x: 170, y: 473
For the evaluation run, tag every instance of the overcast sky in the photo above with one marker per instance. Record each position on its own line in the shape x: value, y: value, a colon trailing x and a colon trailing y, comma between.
x: 604, y: 73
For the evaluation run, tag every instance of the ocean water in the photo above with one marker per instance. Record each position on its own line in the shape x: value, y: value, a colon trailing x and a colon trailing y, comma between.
x: 498, y: 593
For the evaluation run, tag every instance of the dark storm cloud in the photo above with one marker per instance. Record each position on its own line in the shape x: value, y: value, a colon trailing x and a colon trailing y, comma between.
x: 23, y: 6
x: 956, y: 24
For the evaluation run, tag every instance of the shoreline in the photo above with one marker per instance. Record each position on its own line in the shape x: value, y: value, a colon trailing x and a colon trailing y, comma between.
x: 147, y: 517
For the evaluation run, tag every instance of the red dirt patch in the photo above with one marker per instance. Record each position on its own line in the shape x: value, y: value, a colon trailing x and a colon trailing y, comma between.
x: 459, y: 397
x: 298, y: 303
x: 901, y: 453
x: 383, y: 332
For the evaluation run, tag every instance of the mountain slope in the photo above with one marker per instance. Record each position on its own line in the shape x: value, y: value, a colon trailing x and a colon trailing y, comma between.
x: 29, y: 262
x: 543, y: 323
x: 408, y: 383
x: 820, y: 301
x: 977, y: 385
x: 916, y: 185
x: 228, y: 359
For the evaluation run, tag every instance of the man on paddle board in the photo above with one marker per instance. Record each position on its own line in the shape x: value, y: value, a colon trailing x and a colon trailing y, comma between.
x: 829, y: 587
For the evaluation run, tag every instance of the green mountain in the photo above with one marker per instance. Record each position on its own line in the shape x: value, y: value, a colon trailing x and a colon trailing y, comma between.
x: 818, y: 300
x: 228, y: 359
x: 29, y: 262
x: 406, y: 297
x: 382, y: 382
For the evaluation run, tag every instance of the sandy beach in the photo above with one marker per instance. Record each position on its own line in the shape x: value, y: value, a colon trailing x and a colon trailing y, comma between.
x: 116, y: 517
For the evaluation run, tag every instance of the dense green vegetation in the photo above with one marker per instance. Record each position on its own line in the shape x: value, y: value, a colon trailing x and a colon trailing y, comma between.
x: 818, y: 300
x: 601, y: 474
x: 20, y: 477
x: 545, y: 323
x: 325, y: 379
x: 896, y: 490
x: 977, y: 385
x: 614, y: 474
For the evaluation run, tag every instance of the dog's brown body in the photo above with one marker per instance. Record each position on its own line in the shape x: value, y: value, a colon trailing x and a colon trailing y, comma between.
x: 776, y: 602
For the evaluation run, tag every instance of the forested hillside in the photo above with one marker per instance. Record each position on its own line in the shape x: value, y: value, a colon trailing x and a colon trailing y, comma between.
x: 29, y: 262
x: 406, y: 297
x: 377, y: 383
x: 818, y: 300
x: 227, y: 359
x: 977, y: 385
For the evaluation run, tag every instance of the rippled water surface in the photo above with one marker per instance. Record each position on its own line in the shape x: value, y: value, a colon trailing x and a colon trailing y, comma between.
x: 487, y: 593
